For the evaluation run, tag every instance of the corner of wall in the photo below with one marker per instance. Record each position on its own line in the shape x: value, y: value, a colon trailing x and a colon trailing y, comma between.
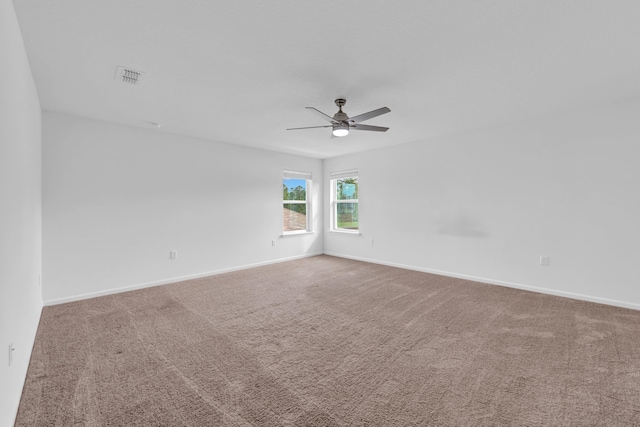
x: 21, y: 215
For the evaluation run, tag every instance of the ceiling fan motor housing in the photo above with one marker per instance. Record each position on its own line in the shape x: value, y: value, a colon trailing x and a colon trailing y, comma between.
x: 340, y: 116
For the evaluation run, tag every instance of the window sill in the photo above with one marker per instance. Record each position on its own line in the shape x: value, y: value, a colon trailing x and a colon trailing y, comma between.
x: 295, y: 233
x: 354, y: 232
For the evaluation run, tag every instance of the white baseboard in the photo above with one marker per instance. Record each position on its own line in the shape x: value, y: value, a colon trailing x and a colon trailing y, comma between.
x: 548, y: 291
x: 171, y: 280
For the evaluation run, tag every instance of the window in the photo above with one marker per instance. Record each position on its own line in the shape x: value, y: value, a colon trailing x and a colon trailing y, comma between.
x: 344, y: 201
x: 295, y: 203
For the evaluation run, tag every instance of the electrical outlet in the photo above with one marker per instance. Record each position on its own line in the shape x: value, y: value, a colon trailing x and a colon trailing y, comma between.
x: 371, y: 242
x: 273, y: 243
x: 544, y: 260
x: 173, y: 255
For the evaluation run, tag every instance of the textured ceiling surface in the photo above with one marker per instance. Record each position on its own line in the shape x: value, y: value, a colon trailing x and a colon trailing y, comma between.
x: 241, y: 72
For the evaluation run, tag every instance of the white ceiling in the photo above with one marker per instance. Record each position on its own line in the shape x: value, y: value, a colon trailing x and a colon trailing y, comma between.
x: 241, y: 72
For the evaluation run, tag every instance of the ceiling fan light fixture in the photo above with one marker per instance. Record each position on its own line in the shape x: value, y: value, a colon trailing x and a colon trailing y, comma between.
x: 340, y: 129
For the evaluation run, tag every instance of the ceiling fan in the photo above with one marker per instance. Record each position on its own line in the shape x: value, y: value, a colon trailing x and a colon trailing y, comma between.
x: 342, y: 124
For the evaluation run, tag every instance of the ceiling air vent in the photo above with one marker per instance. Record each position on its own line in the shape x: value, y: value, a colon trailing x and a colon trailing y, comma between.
x: 129, y: 75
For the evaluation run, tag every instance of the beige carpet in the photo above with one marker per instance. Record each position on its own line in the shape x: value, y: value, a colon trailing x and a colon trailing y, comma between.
x: 325, y: 341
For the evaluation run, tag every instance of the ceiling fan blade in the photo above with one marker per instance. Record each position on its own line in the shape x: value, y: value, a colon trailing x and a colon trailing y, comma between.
x: 367, y: 127
x: 323, y: 115
x: 310, y: 127
x: 369, y: 115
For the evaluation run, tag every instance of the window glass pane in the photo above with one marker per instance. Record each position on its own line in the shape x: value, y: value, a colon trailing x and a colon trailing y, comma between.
x: 295, y: 216
x: 294, y: 197
x: 294, y: 189
x: 347, y: 216
x: 347, y: 188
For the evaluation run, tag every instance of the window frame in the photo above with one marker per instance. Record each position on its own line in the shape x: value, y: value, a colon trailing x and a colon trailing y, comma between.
x: 306, y: 176
x: 335, y: 202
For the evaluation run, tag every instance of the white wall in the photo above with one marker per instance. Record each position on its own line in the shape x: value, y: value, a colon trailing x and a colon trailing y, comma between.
x: 20, y: 212
x: 118, y: 199
x: 487, y: 204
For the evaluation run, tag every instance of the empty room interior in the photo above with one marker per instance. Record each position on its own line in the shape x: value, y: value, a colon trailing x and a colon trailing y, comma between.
x: 456, y: 241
